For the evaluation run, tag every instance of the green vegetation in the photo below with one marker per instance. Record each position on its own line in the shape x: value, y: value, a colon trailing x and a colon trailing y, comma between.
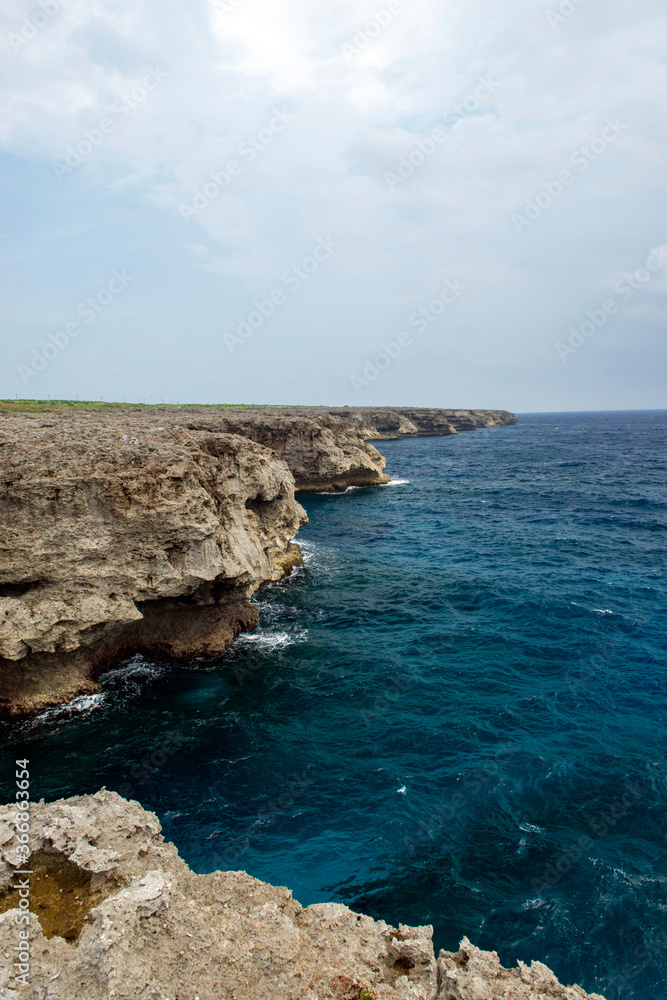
x: 38, y: 405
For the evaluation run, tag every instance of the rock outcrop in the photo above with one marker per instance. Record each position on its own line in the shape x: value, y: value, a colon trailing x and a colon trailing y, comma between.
x: 146, y: 530
x: 116, y: 913
x: 123, y: 535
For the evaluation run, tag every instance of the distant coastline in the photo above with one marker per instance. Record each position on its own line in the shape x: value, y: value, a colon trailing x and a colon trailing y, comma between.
x: 146, y: 529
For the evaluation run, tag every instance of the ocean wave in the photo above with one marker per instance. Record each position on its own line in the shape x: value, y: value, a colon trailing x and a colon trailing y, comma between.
x: 595, y: 611
x: 135, y: 669
x: 338, y: 493
x: 271, y: 640
x: 84, y: 704
x: 398, y: 482
x: 308, y: 551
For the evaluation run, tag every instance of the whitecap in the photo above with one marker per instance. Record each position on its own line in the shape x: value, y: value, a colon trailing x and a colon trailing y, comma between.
x: 84, y: 704
x: 338, y: 493
x: 308, y: 551
x: 136, y: 668
x: 271, y: 640
x: 402, y: 790
x: 397, y: 482
x: 597, y: 611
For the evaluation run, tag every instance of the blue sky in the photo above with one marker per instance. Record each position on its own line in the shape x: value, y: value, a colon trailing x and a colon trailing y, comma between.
x: 369, y: 156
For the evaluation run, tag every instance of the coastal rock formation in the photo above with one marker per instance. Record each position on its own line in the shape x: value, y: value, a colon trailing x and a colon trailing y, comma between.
x: 327, y: 449
x: 121, y: 535
x: 146, y: 530
x: 324, y: 450
x: 117, y: 913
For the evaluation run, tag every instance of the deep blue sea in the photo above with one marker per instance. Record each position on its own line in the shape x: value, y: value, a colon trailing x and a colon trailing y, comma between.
x: 455, y: 713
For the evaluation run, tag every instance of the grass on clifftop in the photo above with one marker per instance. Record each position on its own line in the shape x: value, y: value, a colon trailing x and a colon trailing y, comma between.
x: 37, y: 405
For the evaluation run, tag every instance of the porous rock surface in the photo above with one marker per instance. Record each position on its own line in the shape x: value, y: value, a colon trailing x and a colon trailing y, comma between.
x: 116, y: 531
x: 117, y: 914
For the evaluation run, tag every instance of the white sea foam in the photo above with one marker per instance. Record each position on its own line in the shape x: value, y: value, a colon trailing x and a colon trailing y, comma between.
x: 308, y: 551
x: 397, y: 482
x: 338, y: 493
x: 271, y: 640
x: 84, y: 704
x: 596, y: 611
x: 135, y: 669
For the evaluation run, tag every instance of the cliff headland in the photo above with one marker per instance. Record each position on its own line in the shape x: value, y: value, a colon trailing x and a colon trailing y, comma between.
x: 145, y: 530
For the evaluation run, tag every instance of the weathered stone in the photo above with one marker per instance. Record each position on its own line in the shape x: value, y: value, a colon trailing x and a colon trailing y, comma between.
x: 150, y: 928
x: 327, y: 448
x: 471, y: 974
x: 120, y: 535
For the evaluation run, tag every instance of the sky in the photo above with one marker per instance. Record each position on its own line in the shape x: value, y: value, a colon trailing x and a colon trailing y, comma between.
x: 455, y: 203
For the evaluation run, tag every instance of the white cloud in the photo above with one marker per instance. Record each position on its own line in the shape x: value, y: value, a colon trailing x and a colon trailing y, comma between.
x: 354, y: 118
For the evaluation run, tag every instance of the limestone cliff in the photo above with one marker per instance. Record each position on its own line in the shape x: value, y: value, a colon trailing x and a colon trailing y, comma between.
x: 121, y: 535
x: 146, y: 530
x: 117, y: 913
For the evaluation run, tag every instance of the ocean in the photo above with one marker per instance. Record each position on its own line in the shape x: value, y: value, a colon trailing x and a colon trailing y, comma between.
x: 453, y: 714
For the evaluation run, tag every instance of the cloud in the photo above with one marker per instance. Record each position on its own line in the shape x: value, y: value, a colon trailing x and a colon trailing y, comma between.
x: 230, y: 67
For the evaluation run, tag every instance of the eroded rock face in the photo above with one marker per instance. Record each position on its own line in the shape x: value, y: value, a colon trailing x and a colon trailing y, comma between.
x: 323, y: 449
x: 117, y: 529
x: 117, y: 913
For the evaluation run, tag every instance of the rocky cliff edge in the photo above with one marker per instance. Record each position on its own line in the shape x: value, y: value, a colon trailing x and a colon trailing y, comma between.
x: 117, y: 914
x: 129, y: 535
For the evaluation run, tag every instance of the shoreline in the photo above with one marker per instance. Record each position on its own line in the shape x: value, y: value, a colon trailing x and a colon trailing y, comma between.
x: 129, y: 910
x: 146, y: 532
